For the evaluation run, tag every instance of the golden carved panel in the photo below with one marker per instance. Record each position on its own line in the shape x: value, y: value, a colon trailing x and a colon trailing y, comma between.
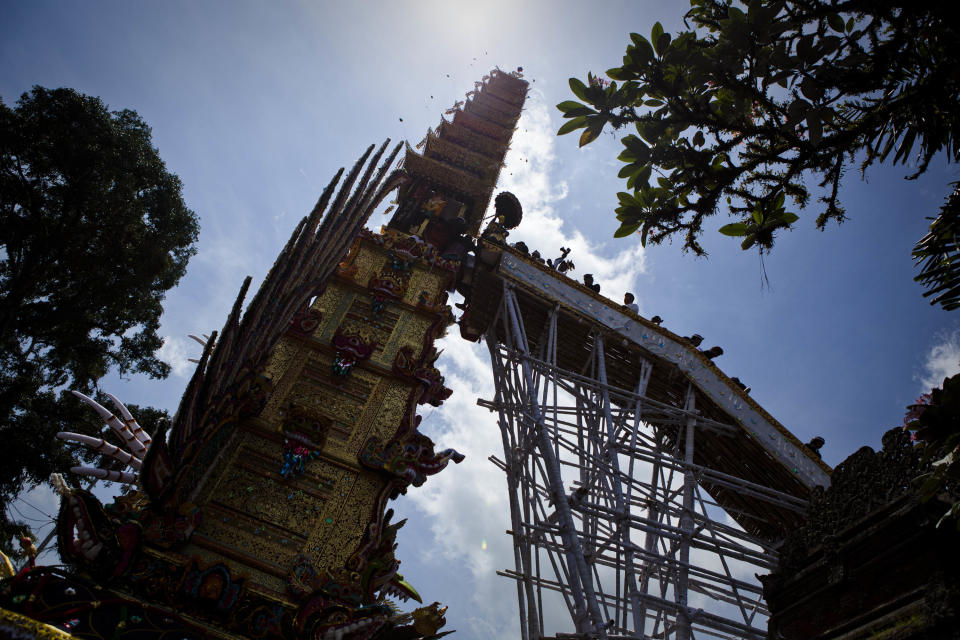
x: 283, y: 369
x: 269, y: 582
x: 341, y: 402
x: 341, y: 301
x: 422, y: 281
x: 274, y: 502
x: 384, y: 417
x: 413, y: 334
x: 369, y: 261
x: 349, y: 511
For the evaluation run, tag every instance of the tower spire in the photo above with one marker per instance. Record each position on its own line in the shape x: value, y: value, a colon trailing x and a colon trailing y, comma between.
x: 450, y: 184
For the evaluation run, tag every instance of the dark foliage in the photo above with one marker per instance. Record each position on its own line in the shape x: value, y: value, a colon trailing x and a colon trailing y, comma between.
x: 93, y: 232
x: 935, y: 421
x: 937, y: 254
x: 758, y: 96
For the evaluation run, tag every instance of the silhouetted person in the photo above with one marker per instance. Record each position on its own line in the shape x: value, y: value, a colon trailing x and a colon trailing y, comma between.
x: 815, y: 445
x: 695, y: 339
x: 588, y: 280
x: 657, y: 320
x: 628, y: 303
x: 712, y: 352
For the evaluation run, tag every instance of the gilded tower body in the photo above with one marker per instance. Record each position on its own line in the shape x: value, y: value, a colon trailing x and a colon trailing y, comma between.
x: 263, y: 512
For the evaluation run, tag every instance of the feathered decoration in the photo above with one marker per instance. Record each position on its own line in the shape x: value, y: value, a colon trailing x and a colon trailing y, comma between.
x: 135, y: 440
x: 229, y: 369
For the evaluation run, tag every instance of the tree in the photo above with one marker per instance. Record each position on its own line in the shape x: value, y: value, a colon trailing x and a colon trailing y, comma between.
x: 937, y: 254
x: 935, y: 423
x: 94, y: 231
x: 759, y: 96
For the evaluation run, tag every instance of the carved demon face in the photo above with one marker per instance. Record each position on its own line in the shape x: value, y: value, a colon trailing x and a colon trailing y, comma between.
x: 303, y: 438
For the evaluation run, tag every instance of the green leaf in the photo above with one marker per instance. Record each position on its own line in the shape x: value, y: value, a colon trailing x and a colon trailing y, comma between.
x: 779, y: 200
x: 641, y: 54
x: 850, y: 24
x: 757, y: 216
x: 789, y: 218
x: 748, y: 242
x: 569, y: 105
x: 734, y: 229
x: 656, y: 32
x: 626, y: 229
x: 662, y: 43
x: 579, y: 89
x: 580, y: 111
x: 573, y: 125
x: 698, y: 139
x: 835, y: 22
x: 618, y: 73
x: 642, y: 179
x: 651, y: 130
x: 637, y: 147
x: 589, y: 135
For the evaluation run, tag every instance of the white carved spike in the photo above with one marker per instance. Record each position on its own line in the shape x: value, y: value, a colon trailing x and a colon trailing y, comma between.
x: 131, y: 422
x: 203, y: 343
x: 59, y: 485
x: 103, y: 474
x: 101, y: 446
x: 116, y: 424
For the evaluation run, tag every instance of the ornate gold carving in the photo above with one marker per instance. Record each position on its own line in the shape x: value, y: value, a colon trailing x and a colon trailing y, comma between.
x: 353, y: 501
x: 19, y: 626
x: 414, y: 335
x: 368, y: 263
x: 384, y: 415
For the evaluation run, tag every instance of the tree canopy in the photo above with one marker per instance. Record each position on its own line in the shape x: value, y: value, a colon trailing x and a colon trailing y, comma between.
x: 757, y: 97
x: 94, y: 232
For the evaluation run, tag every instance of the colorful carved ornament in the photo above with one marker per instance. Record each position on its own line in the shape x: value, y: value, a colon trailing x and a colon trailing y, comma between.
x: 303, y: 439
x: 351, y: 348
x: 433, y: 391
x: 410, y: 459
x: 305, y: 322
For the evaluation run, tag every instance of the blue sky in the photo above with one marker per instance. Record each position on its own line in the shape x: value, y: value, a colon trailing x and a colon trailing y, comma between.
x: 256, y: 105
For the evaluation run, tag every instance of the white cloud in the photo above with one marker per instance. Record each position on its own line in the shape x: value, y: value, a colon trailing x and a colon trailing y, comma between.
x: 943, y: 360
x: 176, y: 351
x: 528, y: 176
x: 466, y: 508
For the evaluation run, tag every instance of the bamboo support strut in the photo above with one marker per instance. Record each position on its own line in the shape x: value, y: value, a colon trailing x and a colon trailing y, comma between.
x: 610, y: 504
